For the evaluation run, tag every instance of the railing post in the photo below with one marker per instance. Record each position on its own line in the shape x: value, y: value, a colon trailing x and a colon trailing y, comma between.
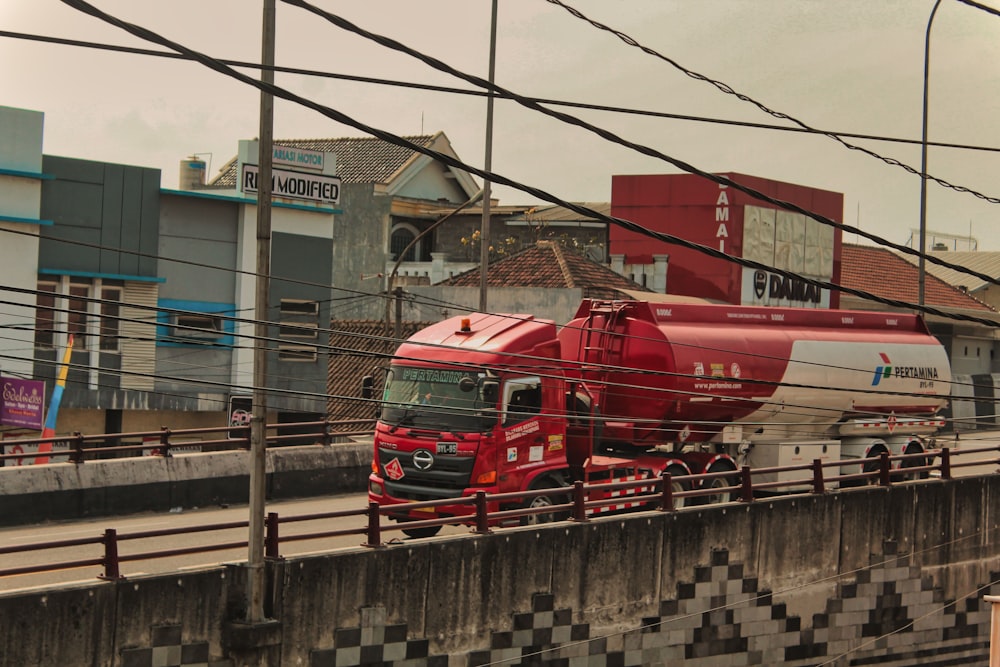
x: 994, y: 646
x: 271, y: 536
x: 818, y: 487
x: 579, y: 501
x: 482, y: 516
x: 77, y: 455
x: 327, y: 434
x: 746, y: 485
x: 111, y: 565
x: 165, y: 442
x: 884, y: 478
x: 666, y: 493
x: 945, y: 463
x: 374, y: 530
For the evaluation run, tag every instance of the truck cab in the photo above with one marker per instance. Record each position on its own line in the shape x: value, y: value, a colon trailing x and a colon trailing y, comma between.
x: 493, y: 422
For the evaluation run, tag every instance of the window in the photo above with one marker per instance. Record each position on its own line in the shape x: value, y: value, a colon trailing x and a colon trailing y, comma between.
x: 297, y: 352
x: 401, y: 238
x: 299, y: 322
x: 45, y: 315
x: 197, y: 327
x: 78, y: 317
x: 524, y: 400
x: 110, y: 309
x: 299, y: 319
x: 89, y: 310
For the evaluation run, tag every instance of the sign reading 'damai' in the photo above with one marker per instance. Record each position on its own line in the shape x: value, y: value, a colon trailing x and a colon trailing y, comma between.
x: 294, y: 184
x: 23, y: 402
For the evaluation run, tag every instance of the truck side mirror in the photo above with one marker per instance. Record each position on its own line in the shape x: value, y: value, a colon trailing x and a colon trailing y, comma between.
x: 491, y: 391
x: 367, y: 386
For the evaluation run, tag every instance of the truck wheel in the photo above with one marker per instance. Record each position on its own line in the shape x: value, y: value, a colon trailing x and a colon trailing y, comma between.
x: 869, y: 467
x: 719, y: 483
x: 557, y: 497
x: 676, y: 486
x: 427, y: 531
x: 912, y: 448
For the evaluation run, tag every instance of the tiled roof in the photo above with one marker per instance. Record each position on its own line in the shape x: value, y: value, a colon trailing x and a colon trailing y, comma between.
x: 549, y: 265
x: 359, y: 159
x: 884, y: 273
x: 357, y: 348
x: 987, y: 263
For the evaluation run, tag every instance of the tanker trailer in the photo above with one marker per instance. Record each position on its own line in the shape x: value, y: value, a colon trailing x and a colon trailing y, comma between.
x: 762, y: 386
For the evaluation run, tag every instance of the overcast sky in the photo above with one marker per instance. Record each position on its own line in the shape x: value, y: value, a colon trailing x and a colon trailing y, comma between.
x: 847, y: 66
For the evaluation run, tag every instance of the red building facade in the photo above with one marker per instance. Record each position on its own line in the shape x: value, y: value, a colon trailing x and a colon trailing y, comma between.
x: 724, y: 218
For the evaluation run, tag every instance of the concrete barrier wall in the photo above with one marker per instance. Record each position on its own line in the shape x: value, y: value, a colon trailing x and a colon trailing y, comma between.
x: 869, y: 576
x: 118, y: 486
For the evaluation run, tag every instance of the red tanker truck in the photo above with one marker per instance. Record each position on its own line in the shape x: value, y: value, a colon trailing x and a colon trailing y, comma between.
x: 632, y: 389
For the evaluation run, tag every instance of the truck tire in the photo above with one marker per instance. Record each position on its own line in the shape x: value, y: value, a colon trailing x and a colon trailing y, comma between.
x: 427, y: 531
x: 719, y: 483
x: 558, y: 497
x: 913, y: 447
x: 676, y: 486
x: 869, y: 467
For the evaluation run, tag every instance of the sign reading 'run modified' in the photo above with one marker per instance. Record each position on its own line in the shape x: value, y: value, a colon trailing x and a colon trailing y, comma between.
x: 294, y: 184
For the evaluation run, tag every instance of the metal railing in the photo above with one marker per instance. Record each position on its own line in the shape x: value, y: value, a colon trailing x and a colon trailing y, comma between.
x: 584, y: 502
x: 78, y: 448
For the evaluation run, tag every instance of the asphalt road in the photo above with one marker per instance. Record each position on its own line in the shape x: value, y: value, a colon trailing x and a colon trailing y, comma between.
x: 51, y: 532
x: 986, y: 462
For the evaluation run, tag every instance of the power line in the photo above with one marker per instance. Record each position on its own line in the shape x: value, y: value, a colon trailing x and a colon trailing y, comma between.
x: 480, y: 93
x: 605, y: 134
x: 541, y: 194
x: 725, y: 88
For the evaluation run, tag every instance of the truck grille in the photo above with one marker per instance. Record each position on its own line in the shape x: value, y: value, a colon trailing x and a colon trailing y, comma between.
x: 447, y: 477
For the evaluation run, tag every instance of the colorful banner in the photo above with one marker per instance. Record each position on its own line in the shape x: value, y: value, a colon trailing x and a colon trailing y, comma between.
x: 23, y: 403
x: 49, y: 430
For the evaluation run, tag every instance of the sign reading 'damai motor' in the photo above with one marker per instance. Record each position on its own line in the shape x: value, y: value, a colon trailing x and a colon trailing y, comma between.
x: 294, y: 184
x: 23, y: 403
x: 298, y: 157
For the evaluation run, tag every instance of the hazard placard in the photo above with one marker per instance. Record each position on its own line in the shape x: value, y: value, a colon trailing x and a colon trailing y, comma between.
x: 394, y: 470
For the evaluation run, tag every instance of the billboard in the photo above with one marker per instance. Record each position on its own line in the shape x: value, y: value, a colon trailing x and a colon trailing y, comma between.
x: 730, y: 221
x: 23, y: 403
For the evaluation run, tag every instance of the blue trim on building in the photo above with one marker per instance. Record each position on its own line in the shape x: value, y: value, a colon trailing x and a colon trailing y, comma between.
x: 164, y: 338
x: 103, y: 276
x: 26, y: 221
x: 238, y: 199
x: 37, y: 175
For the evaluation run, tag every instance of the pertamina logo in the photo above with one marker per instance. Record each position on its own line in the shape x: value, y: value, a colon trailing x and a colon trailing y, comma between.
x: 887, y: 370
x: 883, y: 371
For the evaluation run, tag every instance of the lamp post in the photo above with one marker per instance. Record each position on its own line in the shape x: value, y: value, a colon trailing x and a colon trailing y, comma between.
x: 484, y: 249
x: 391, y: 278
x: 921, y: 268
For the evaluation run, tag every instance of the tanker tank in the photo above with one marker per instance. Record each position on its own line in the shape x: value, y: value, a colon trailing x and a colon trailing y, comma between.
x: 686, y: 372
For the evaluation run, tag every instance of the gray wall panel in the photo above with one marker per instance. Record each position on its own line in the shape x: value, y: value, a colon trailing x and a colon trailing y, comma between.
x: 112, y: 206
x: 203, y: 232
x: 307, y: 259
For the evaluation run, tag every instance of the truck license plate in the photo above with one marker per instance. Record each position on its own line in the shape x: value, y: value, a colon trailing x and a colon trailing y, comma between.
x: 447, y: 448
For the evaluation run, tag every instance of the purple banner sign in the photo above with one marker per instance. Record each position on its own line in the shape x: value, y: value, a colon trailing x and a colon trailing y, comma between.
x: 23, y: 403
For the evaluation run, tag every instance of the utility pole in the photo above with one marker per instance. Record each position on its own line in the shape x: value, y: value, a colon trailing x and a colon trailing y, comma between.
x: 258, y: 421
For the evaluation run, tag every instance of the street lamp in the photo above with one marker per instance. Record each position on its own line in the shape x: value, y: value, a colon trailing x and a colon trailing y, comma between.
x: 921, y: 268
x: 399, y: 260
x: 484, y: 248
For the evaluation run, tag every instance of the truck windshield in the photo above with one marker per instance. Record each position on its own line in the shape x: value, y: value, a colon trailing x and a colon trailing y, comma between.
x: 436, y: 398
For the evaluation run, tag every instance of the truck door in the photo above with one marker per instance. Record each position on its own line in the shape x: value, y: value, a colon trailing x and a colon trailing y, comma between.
x: 521, y: 432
